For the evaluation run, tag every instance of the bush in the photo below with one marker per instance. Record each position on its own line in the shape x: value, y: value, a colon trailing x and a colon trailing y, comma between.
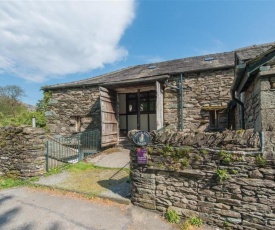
x: 222, y: 175
x: 172, y: 216
x: 195, y: 221
x: 260, y: 161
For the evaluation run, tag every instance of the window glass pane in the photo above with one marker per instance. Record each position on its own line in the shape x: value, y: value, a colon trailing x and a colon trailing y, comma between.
x: 152, y: 105
x: 143, y: 95
x: 132, y: 107
x: 132, y: 95
x: 143, y: 105
x: 152, y: 94
x: 212, y: 118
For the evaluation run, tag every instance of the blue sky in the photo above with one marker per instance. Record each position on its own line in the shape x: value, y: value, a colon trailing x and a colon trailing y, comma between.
x: 56, y: 42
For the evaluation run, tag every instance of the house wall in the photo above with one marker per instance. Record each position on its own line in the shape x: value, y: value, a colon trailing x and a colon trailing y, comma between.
x: 252, y: 105
x: 267, y: 104
x: 259, y: 104
x: 202, y: 89
x: 67, y: 104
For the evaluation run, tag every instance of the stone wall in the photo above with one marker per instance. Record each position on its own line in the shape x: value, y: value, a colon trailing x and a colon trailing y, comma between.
x: 22, y: 151
x: 213, y: 91
x: 252, y: 103
x: 68, y: 105
x: 259, y: 102
x: 234, y: 188
x: 267, y: 104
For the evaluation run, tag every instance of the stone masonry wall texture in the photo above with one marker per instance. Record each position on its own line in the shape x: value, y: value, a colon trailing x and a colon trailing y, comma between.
x: 224, y: 188
x: 67, y: 104
x: 213, y: 90
x: 22, y: 151
x: 252, y: 101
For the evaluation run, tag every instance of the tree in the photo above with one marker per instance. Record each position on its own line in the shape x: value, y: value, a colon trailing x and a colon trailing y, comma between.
x: 13, y: 112
x: 42, y: 104
x: 10, y: 96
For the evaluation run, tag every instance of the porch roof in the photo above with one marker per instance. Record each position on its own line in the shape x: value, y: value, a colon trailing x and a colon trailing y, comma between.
x: 245, y: 72
x: 145, y: 72
x: 250, y: 52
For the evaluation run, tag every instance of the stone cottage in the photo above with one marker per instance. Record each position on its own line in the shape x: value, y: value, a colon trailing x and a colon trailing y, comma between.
x: 253, y: 83
x: 191, y: 93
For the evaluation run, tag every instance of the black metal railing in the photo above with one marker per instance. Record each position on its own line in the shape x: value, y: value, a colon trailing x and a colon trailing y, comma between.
x: 71, y: 149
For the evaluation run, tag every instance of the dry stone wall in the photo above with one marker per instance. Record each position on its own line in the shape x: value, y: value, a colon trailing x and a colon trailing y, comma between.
x: 68, y: 105
x: 213, y: 91
x: 22, y: 151
x: 224, y: 188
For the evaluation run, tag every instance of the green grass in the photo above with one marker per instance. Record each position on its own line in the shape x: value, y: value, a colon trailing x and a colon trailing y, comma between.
x: 6, y: 182
x: 80, y: 166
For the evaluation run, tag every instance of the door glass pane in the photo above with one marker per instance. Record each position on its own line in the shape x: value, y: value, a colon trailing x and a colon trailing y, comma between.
x: 152, y: 105
x: 152, y: 94
x: 143, y: 105
x: 143, y: 95
x: 132, y: 106
x: 132, y: 95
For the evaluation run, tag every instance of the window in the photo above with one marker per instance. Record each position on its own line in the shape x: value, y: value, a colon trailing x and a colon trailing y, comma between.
x: 131, y: 100
x: 147, y: 102
x: 214, y: 119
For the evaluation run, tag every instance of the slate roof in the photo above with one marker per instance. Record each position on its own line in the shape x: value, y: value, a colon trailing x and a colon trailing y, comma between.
x: 245, y: 54
x: 146, y: 71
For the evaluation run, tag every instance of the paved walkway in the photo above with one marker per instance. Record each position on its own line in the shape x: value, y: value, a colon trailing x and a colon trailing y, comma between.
x: 112, y: 184
x: 27, y: 209
x: 112, y: 158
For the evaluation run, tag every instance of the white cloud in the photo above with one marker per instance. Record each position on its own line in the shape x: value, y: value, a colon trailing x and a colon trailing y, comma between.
x: 47, y: 39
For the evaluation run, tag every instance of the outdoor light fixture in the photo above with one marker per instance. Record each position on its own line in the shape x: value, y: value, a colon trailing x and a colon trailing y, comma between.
x: 33, y: 122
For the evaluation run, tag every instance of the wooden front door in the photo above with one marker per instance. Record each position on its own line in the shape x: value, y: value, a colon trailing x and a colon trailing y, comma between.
x: 109, y: 124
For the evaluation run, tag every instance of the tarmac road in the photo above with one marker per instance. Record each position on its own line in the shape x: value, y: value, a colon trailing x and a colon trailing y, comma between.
x: 27, y: 208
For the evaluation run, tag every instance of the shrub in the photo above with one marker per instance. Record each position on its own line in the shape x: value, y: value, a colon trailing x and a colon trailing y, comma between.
x: 183, y: 152
x: 197, y: 157
x: 196, y: 221
x: 204, y: 151
x: 149, y: 150
x: 184, y: 162
x: 172, y: 216
x: 189, y: 223
x: 260, y: 161
x: 222, y: 175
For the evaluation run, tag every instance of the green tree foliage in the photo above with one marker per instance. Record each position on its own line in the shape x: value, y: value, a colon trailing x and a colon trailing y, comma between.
x: 9, y: 100
x: 42, y: 104
x: 13, y: 112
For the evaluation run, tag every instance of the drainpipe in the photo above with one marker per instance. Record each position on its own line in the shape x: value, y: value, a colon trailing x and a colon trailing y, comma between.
x: 180, y: 88
x: 181, y: 101
x: 242, y: 107
x: 262, y: 142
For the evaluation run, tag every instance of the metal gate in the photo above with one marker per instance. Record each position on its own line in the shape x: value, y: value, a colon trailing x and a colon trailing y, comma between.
x: 71, y: 149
